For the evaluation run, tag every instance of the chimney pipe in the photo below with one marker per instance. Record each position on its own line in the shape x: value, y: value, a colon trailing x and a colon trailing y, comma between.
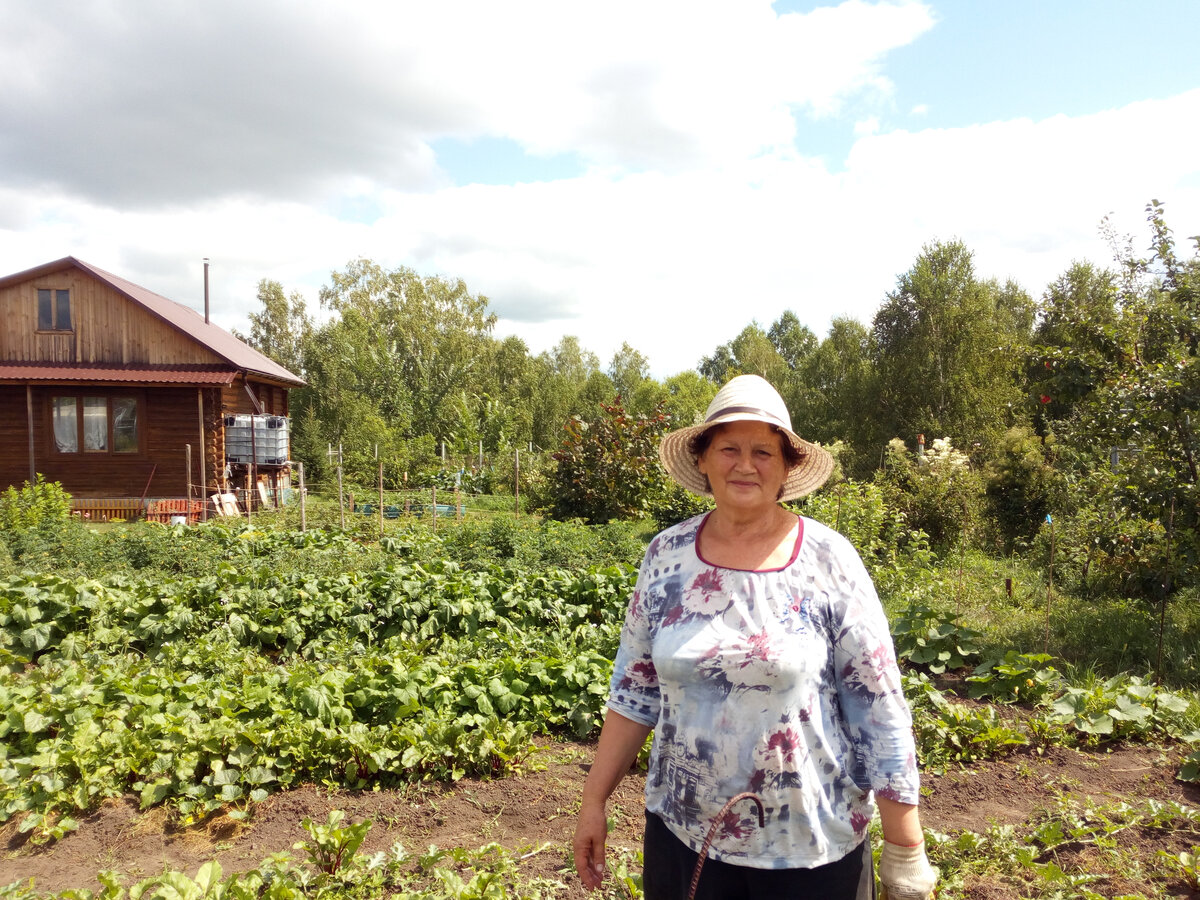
x: 206, y: 290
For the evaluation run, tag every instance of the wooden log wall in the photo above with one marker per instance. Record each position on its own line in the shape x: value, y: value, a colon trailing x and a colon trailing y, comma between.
x: 107, y: 327
x: 168, y: 418
x: 14, y: 441
x: 214, y: 441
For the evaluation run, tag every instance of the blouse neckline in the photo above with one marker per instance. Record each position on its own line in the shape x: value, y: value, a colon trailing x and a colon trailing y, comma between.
x: 791, y: 559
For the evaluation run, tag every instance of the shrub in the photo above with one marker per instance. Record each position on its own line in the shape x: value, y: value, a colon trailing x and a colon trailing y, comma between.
x: 535, y: 478
x: 673, y: 504
x: 938, y: 492
x: 1020, y: 485
x: 859, y: 511
x: 1102, y: 548
x: 39, y: 504
x: 608, y: 466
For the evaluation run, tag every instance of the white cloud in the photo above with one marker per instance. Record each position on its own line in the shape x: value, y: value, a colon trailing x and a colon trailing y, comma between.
x: 176, y: 103
x: 867, y: 126
x: 189, y: 134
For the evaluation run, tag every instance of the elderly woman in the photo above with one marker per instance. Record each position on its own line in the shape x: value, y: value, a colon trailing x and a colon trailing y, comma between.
x: 757, y: 651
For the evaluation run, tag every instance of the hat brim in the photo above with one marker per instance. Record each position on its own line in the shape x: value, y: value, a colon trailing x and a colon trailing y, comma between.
x: 810, y: 473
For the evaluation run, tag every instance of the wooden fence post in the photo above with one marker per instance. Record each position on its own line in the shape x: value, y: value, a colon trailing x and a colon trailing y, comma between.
x: 303, y: 499
x: 1049, y: 588
x: 341, y: 496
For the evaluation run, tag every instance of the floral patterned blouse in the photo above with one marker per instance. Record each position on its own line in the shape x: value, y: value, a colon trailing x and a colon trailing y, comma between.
x: 782, y: 682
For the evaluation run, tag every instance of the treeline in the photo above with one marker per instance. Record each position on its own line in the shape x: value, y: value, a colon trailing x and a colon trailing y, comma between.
x: 406, y: 365
x: 1078, y: 403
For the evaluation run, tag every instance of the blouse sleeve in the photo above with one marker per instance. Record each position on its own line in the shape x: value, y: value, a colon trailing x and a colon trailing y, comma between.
x: 633, y: 691
x: 870, y: 689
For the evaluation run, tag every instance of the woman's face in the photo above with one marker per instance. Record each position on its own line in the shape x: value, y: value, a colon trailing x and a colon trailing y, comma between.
x: 745, y: 465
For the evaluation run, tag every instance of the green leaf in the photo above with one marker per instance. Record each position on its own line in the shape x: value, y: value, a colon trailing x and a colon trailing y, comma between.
x: 1102, y: 724
x: 37, y: 637
x: 260, y: 775
x: 153, y: 794
x: 226, y: 775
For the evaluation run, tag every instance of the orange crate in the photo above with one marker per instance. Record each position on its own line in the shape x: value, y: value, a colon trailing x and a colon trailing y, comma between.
x: 164, y: 510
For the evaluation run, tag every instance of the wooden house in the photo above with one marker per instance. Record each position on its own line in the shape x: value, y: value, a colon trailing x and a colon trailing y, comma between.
x: 120, y: 393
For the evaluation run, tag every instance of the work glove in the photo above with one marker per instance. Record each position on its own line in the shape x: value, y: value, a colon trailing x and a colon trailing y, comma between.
x: 905, y: 872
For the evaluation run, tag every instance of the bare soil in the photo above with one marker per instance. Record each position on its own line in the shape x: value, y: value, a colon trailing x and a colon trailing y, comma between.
x: 535, y: 812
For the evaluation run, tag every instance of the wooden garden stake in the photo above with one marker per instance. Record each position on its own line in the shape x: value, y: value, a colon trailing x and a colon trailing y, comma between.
x: 1049, y: 587
x: 303, y: 499
x: 1162, y: 612
x: 252, y: 479
x: 341, y: 496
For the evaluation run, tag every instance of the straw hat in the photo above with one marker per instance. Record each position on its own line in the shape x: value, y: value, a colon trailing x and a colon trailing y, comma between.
x: 746, y: 398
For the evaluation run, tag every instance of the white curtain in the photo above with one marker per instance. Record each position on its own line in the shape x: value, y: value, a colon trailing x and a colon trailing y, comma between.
x: 95, y: 423
x: 66, y: 427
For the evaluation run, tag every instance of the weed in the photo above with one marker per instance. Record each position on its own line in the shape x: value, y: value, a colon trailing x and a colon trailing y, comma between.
x: 1185, y: 865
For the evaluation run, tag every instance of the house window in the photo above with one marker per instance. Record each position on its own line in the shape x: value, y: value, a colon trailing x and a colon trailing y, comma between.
x: 54, y: 310
x: 95, y: 424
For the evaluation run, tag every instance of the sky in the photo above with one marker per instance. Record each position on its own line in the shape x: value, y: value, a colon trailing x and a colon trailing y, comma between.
x: 653, y: 173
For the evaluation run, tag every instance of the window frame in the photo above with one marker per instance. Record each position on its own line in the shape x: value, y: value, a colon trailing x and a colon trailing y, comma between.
x: 109, y: 396
x: 54, y: 298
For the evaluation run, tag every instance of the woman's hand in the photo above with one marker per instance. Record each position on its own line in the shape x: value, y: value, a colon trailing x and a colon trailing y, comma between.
x: 591, y: 831
x: 620, y: 741
x: 905, y: 872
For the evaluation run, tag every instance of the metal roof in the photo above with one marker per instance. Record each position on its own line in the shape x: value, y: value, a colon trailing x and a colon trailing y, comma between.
x: 61, y: 374
x: 182, y: 318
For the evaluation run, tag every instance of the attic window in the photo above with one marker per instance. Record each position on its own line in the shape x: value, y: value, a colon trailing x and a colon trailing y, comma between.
x: 54, y: 310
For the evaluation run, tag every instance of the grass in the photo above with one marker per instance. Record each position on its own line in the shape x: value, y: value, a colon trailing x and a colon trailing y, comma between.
x: 1109, y: 635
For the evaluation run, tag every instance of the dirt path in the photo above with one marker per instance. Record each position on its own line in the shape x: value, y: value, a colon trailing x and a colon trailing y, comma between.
x: 538, y: 809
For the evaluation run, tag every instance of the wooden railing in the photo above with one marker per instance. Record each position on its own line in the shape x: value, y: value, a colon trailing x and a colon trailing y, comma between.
x: 105, y: 509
